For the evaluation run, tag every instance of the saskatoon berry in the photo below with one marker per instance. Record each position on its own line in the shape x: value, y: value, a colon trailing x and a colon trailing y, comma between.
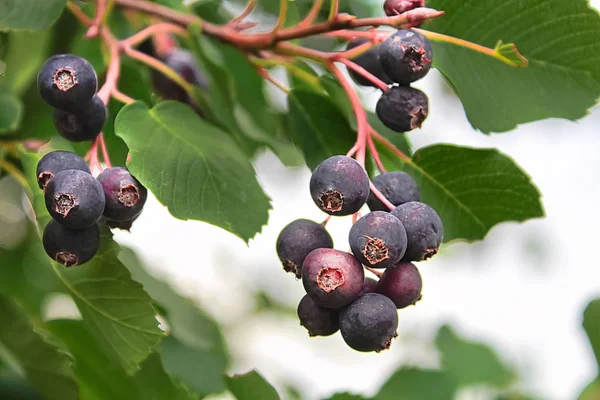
x: 378, y: 240
x: 332, y: 278
x: 125, y: 195
x: 424, y: 230
x: 369, y: 60
x: 402, y: 284
x: 75, y: 199
x: 402, y: 109
x: 369, y: 286
x: 55, y: 162
x: 299, y: 238
x: 68, y: 246
x: 369, y: 323
x: 124, y: 225
x: 186, y: 65
x: 319, y: 321
x: 398, y: 187
x: 67, y: 82
x: 406, y: 56
x: 397, y: 7
x: 83, y: 124
x: 339, y: 186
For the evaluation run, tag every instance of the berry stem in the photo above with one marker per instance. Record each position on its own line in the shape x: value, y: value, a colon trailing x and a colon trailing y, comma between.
x: 80, y: 15
x: 152, y: 30
x: 267, y: 76
x: 283, y: 7
x: 378, y: 274
x: 114, y: 66
x: 312, y: 14
x: 334, y: 9
x: 389, y: 145
x: 122, y: 97
x: 375, y: 154
x: 247, y: 11
x: 373, y: 35
x: 94, y: 29
x: 326, y: 221
x: 380, y: 196
x: 366, y: 74
x: 104, y: 150
x: 92, y: 155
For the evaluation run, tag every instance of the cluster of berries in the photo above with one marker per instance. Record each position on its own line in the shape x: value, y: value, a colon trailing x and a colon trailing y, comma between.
x: 338, y: 295
x: 74, y: 198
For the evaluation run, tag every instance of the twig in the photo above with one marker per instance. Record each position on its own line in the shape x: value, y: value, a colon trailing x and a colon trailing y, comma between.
x: 375, y: 154
x: 94, y: 29
x: 312, y: 14
x: 247, y: 11
x: 154, y: 29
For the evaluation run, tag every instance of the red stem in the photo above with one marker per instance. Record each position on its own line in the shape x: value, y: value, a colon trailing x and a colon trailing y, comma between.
x: 381, y: 197
x: 94, y: 29
x: 374, y: 271
x: 375, y: 154
x: 389, y: 145
x: 152, y: 30
x: 104, y: 150
x: 114, y: 67
x: 366, y: 74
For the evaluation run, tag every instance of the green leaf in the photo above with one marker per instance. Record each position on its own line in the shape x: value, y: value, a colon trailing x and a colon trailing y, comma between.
x: 471, y: 363
x: 192, y: 167
x: 417, y: 384
x: 591, y: 391
x: 346, y: 396
x: 29, y: 15
x: 591, y: 325
x: 472, y: 189
x: 561, y: 81
x: 195, y: 353
x: 11, y: 111
x: 320, y: 128
x: 251, y: 386
x: 45, y: 368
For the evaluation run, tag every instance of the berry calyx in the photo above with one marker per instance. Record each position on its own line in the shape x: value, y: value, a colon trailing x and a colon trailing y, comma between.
x: 369, y: 323
x: 378, y: 240
x: 339, y: 186
x: 70, y: 247
x: 318, y: 321
x: 75, y: 199
x: 369, y: 60
x: 125, y: 195
x: 297, y: 240
x: 83, y: 124
x: 402, y: 284
x: 397, y: 186
x: 424, y: 230
x: 402, y: 109
x: 55, y: 162
x: 406, y: 56
x: 332, y: 278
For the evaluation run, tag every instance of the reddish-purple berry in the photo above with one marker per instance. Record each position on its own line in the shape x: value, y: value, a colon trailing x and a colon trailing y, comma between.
x: 397, y: 7
x: 318, y: 321
x: 125, y: 195
x: 402, y: 284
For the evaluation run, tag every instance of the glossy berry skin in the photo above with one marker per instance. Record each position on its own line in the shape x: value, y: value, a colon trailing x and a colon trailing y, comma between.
x: 369, y: 286
x: 125, y: 195
x: 406, y: 56
x: 402, y: 109
x: 71, y: 247
x: 332, y: 278
x: 75, y: 199
x: 318, y: 321
x: 81, y: 125
x: 67, y: 82
x: 424, y: 230
x: 402, y: 284
x: 369, y: 323
x: 369, y: 60
x: 397, y: 7
x: 299, y: 238
x: 397, y: 186
x: 339, y: 186
x: 55, y: 162
x: 378, y: 240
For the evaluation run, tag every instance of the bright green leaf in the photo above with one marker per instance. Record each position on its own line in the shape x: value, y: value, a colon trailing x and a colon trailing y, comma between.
x: 44, y: 366
x: 591, y: 391
x: 26, y: 52
x: 251, y: 386
x: 417, y: 384
x: 11, y: 111
x: 563, y: 76
x: 29, y: 15
x: 192, y: 167
x: 591, y: 324
x: 320, y: 128
x: 471, y: 363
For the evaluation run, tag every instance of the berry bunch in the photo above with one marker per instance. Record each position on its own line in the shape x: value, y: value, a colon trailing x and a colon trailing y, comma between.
x: 75, y: 199
x: 339, y: 297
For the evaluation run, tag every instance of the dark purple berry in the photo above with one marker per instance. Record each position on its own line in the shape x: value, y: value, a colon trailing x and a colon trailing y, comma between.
x: 339, y: 186
x: 398, y: 187
x: 83, y: 124
x: 332, y: 278
x: 67, y: 82
x: 397, y: 7
x: 378, y: 240
x: 55, y: 162
x: 318, y: 321
x: 424, y: 230
x: 123, y: 225
x: 75, y: 199
x: 70, y: 247
x: 369, y: 286
x: 299, y: 238
x: 369, y: 323
x: 125, y: 195
x: 369, y: 60
x: 406, y: 56
x: 402, y: 284
x: 185, y: 64
x: 402, y: 109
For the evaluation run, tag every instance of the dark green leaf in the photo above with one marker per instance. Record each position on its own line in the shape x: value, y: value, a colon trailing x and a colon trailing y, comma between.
x: 29, y: 15
x: 11, y: 111
x: 45, y: 368
x: 563, y: 77
x: 320, y: 128
x: 251, y: 386
x: 417, y: 384
x: 192, y: 167
x: 471, y: 363
x: 591, y: 324
x: 400, y: 140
